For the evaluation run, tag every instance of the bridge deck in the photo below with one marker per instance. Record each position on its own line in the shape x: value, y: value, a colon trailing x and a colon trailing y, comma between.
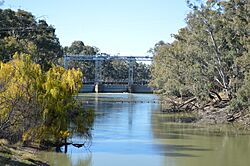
x: 116, y: 88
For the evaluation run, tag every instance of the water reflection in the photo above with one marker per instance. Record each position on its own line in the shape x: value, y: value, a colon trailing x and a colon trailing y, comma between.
x: 129, y: 129
x: 67, y: 159
x: 199, y: 145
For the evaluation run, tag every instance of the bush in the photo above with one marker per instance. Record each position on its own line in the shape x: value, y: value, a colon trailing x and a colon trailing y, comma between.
x: 34, y: 105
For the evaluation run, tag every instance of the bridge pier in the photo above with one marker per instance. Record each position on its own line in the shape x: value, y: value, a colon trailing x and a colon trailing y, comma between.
x: 130, y: 88
x: 98, y: 88
x: 131, y: 72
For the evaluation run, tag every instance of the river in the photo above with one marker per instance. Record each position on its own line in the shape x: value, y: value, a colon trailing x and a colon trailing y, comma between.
x: 129, y: 129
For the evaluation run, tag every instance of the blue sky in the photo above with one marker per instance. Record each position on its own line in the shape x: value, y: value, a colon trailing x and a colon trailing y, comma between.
x: 128, y: 27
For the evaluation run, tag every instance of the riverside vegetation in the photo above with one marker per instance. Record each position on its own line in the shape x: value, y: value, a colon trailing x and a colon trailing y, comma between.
x: 206, y: 67
x: 38, y: 108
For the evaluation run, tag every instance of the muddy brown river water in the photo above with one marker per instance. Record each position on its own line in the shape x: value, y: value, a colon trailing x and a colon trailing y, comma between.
x: 130, y: 130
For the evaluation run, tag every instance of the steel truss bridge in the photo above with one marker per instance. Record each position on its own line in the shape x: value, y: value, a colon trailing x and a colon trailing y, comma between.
x: 100, y: 58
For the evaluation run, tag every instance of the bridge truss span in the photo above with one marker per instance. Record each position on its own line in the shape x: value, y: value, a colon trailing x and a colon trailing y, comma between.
x: 99, y: 58
x: 105, y: 58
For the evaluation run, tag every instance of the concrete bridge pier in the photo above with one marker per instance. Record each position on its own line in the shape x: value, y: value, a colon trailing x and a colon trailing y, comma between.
x: 130, y: 88
x: 98, y: 88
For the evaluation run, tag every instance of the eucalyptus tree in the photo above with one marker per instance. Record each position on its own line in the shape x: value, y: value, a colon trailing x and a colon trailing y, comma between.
x: 170, y: 67
x: 142, y: 74
x: 21, y: 32
x: 79, y: 48
x: 209, y: 54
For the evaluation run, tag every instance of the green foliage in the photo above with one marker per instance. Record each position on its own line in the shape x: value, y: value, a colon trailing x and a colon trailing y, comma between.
x: 210, y: 53
x: 242, y: 100
x: 79, y: 48
x: 21, y: 32
x: 115, y: 70
x: 118, y: 70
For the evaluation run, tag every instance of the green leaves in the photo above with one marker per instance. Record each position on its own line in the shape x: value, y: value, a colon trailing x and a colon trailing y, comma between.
x: 210, y: 53
x: 20, y: 32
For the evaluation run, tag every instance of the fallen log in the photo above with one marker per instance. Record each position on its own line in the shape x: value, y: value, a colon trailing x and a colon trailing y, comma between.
x: 187, y: 102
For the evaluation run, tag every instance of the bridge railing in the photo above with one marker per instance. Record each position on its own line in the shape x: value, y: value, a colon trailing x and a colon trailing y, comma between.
x: 101, y: 57
x: 112, y: 82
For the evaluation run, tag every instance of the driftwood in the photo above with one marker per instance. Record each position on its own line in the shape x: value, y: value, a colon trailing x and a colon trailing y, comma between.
x: 58, y: 145
x: 177, y: 105
x: 187, y: 102
x: 233, y: 117
x: 78, y: 145
x: 215, y: 93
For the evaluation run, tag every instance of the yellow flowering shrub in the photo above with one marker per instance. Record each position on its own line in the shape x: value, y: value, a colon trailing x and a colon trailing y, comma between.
x: 34, y: 104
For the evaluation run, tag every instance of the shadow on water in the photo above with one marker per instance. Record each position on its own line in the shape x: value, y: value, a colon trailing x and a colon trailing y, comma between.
x: 84, y: 159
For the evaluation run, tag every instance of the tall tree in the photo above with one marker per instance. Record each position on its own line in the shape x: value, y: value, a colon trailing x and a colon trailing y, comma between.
x: 21, y: 32
x: 79, y: 48
x: 209, y: 54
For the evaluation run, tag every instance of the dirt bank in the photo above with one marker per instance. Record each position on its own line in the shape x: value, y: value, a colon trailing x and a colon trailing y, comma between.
x: 213, y: 112
x: 14, y: 155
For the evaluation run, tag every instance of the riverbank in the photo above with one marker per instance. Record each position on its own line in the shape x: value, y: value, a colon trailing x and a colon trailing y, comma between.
x: 214, y: 112
x: 15, y: 155
x: 214, y: 115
